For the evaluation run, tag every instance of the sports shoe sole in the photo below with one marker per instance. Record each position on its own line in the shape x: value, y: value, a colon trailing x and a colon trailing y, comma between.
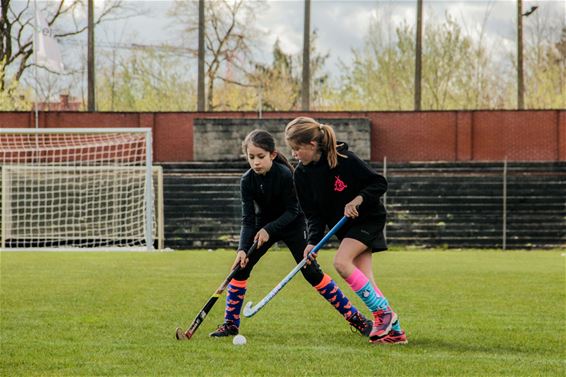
x: 387, y: 340
x: 384, y: 340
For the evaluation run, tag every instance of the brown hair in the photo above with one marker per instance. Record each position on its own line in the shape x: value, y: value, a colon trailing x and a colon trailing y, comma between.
x: 303, y: 130
x: 264, y: 140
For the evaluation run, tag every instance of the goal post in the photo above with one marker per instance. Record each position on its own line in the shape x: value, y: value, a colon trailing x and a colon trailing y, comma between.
x: 79, y: 189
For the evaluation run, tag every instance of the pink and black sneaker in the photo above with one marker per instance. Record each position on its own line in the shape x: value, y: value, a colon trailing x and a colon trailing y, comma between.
x: 383, y: 321
x: 393, y: 337
x: 360, y: 323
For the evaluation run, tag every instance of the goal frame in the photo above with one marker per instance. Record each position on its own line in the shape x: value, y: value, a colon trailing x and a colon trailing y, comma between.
x: 152, y: 197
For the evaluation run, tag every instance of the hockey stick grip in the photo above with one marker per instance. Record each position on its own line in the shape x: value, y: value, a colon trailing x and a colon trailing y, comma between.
x: 238, y: 267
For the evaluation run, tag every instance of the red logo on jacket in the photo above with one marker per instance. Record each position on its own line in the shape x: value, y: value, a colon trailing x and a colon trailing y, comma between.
x: 339, y: 186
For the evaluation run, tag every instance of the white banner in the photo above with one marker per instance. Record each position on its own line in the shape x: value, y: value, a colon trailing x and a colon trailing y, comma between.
x: 48, y: 54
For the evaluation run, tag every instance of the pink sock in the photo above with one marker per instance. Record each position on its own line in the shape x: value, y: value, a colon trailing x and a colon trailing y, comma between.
x: 357, y: 280
x: 377, y: 290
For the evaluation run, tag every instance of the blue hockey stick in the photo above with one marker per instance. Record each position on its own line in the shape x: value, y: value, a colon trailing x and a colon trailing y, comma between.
x: 250, y: 311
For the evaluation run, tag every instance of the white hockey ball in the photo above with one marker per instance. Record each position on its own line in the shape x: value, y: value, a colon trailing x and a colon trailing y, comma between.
x: 239, y: 340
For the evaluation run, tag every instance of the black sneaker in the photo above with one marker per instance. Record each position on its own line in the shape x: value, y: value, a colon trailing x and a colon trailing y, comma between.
x: 226, y: 329
x: 360, y: 323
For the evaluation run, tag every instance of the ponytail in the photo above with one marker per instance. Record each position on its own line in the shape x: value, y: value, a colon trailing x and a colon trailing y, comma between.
x: 328, y: 144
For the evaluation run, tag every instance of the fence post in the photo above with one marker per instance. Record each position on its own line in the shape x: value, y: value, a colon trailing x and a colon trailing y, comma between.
x: 504, y: 230
x: 385, y: 195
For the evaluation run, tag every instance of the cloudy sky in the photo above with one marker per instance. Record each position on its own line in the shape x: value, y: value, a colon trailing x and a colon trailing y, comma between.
x: 343, y: 25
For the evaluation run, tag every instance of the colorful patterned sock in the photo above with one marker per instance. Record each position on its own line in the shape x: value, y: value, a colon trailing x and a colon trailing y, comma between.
x: 363, y: 288
x: 234, y: 300
x: 333, y: 294
x: 396, y: 324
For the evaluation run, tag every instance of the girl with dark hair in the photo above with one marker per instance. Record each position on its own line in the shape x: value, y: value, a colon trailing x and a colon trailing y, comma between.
x: 332, y: 182
x: 270, y: 213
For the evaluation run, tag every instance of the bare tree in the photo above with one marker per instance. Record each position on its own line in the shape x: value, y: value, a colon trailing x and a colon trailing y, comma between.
x: 16, y: 28
x: 229, y: 37
x: 281, y: 81
x: 544, y: 59
x: 480, y: 86
x: 143, y: 79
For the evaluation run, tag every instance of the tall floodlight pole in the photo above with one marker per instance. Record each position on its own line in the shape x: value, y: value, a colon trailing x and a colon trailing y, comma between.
x: 520, y: 77
x: 520, y: 72
x: 35, y: 41
x: 200, y: 83
x: 305, y: 92
x: 90, y: 58
x: 418, y: 55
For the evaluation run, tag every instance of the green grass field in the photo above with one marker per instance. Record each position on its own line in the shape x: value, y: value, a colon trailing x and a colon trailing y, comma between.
x: 467, y: 313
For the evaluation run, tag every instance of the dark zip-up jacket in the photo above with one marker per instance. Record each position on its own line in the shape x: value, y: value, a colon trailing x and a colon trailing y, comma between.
x: 323, y: 192
x: 268, y: 201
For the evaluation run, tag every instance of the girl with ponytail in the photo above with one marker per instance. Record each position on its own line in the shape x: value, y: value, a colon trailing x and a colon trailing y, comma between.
x: 270, y: 213
x: 332, y: 182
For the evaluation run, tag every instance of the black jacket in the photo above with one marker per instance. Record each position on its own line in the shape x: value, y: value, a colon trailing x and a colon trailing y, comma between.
x: 268, y: 201
x: 323, y: 192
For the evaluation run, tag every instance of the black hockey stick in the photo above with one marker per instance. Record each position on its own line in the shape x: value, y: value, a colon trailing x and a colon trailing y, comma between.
x: 185, y: 335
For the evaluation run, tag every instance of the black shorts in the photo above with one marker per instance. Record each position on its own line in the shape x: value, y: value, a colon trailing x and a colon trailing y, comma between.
x: 369, y: 232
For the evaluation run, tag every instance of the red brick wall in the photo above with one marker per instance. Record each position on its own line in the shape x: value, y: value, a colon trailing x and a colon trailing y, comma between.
x: 522, y: 136
x: 399, y: 136
x: 561, y: 135
x: 405, y: 136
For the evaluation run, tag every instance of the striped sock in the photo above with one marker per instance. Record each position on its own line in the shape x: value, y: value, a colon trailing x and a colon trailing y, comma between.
x: 363, y: 288
x: 234, y: 300
x: 333, y: 294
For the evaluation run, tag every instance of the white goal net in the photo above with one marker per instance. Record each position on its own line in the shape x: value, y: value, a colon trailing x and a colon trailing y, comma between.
x: 77, y: 189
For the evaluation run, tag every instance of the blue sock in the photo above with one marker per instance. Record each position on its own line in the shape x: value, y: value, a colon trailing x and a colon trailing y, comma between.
x: 234, y: 300
x: 371, y: 299
x: 333, y: 294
